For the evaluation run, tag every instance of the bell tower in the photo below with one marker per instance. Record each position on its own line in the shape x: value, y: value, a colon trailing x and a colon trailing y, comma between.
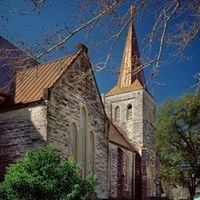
x: 132, y: 109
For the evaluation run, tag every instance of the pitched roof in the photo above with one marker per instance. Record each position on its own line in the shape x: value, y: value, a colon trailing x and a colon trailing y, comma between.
x: 118, y: 138
x: 131, y: 64
x: 136, y: 85
x: 131, y: 75
x: 30, y: 83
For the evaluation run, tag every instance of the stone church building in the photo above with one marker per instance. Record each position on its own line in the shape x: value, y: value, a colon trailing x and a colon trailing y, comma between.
x: 58, y: 104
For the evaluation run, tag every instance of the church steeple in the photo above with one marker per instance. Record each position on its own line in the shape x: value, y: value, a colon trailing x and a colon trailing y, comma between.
x: 132, y: 110
x: 130, y: 65
x: 131, y: 75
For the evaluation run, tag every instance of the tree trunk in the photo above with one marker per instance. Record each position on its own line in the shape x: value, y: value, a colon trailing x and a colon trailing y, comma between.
x: 191, y: 197
x: 192, y: 189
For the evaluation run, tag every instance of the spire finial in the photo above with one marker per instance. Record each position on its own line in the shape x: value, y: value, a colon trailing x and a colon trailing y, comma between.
x: 131, y: 9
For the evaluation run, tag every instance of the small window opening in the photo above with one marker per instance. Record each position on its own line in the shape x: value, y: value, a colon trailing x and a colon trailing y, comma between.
x: 129, y: 111
x: 117, y: 113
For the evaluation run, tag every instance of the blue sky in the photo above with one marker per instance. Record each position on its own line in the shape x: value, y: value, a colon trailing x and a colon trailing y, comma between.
x: 174, y: 79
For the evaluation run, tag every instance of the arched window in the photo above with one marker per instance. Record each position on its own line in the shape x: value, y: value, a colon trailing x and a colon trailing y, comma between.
x: 129, y: 111
x: 127, y: 173
x: 74, y: 133
x: 117, y: 113
x: 83, y: 139
x: 92, y: 152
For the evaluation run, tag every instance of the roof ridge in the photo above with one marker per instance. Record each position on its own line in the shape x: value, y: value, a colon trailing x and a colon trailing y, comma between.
x: 48, y: 62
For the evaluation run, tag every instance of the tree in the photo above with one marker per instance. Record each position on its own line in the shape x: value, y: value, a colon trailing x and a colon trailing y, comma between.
x: 175, y: 25
x: 42, y: 174
x: 178, y: 142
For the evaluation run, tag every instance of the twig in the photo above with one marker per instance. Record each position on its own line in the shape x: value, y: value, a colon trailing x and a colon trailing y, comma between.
x: 83, y: 26
x: 167, y: 18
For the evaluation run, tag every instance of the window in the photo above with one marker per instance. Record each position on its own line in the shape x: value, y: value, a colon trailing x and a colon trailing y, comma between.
x: 83, y: 139
x: 74, y: 133
x: 86, y: 144
x: 129, y: 111
x: 127, y: 175
x: 91, y: 152
x: 117, y: 113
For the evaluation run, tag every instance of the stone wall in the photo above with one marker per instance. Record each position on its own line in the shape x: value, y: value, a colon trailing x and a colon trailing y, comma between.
x: 113, y: 170
x: 128, y: 170
x: 119, y: 187
x: 149, y: 120
x: 67, y: 96
x: 20, y: 130
x: 140, y: 129
x: 176, y: 192
x: 133, y: 128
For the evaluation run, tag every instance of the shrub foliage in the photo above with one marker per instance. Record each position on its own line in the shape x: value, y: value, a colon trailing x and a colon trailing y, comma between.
x: 43, y: 175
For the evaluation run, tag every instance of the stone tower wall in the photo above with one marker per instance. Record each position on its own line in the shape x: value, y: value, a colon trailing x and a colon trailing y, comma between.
x: 132, y: 128
x: 140, y: 129
x: 149, y: 120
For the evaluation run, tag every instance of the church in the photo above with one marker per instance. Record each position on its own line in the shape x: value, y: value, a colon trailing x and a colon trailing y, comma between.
x: 58, y: 103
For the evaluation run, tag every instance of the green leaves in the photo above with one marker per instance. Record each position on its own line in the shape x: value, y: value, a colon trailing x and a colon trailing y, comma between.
x: 42, y: 175
x: 178, y: 133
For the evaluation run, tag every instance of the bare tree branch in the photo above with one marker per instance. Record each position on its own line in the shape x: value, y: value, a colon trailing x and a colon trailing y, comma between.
x: 83, y: 26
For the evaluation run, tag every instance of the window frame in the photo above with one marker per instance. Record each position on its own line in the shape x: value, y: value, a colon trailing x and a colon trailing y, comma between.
x: 75, y: 141
x: 92, y: 152
x: 117, y: 113
x: 83, y: 139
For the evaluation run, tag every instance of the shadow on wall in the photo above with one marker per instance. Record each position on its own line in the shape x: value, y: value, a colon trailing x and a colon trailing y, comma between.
x: 17, y: 135
x: 136, y: 182
x: 138, y: 177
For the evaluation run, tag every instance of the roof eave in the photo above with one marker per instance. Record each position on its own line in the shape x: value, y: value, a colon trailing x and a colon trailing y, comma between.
x: 20, y: 105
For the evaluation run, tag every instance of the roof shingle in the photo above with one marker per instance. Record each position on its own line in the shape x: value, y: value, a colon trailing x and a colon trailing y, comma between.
x: 136, y: 85
x: 30, y: 83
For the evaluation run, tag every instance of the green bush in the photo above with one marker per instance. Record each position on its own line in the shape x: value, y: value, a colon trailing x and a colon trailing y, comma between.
x: 42, y: 175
